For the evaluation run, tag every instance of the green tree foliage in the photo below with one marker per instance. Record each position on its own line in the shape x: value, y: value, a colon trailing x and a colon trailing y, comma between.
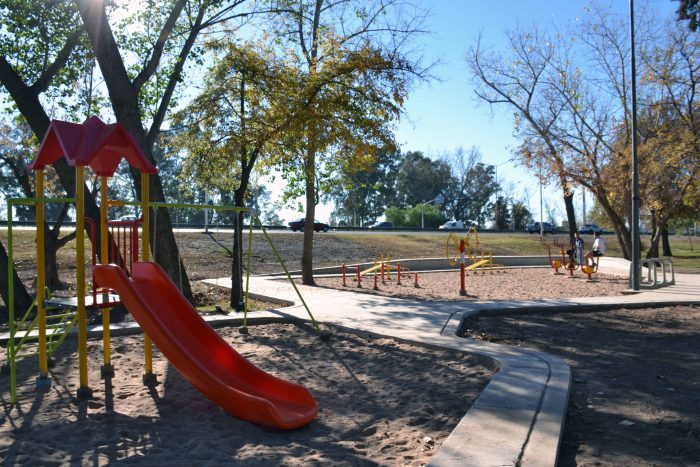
x: 245, y: 116
x: 521, y: 215
x: 363, y: 193
x: 411, y: 216
x: 17, y: 147
x: 461, y: 162
x: 421, y: 179
x: 479, y: 187
x: 503, y: 217
x: 357, y: 59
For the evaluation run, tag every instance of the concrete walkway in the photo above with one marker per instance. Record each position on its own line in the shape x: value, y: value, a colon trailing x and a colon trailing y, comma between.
x: 518, y: 418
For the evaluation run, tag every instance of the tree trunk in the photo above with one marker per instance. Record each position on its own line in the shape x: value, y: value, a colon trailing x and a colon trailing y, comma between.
x: 22, y: 298
x: 27, y: 100
x: 653, y: 251
x: 307, y: 267
x: 623, y: 234
x: 162, y: 241
x: 570, y: 214
x: 239, y: 196
x: 665, y: 243
x: 51, y: 262
x: 126, y: 108
x: 237, y: 263
x: 237, y: 256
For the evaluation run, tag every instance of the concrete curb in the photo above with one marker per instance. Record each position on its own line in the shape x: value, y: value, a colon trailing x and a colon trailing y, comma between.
x: 518, y: 418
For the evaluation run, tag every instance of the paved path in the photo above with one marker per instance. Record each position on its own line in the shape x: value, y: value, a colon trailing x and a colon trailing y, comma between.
x: 518, y: 418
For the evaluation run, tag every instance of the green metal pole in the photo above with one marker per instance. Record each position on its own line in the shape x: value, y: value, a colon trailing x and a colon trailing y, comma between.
x: 289, y: 276
x: 247, y: 273
x: 11, y: 306
x: 11, y: 347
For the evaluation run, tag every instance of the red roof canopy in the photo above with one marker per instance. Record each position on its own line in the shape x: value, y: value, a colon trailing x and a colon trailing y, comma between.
x: 94, y: 144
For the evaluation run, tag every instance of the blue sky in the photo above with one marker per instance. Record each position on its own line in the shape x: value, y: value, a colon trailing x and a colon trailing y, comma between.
x: 445, y: 114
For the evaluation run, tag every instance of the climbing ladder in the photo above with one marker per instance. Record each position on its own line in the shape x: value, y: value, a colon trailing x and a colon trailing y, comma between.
x: 58, y: 324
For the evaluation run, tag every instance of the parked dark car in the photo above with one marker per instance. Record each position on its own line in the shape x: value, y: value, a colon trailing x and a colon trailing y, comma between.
x: 547, y: 227
x: 298, y: 224
x: 382, y: 225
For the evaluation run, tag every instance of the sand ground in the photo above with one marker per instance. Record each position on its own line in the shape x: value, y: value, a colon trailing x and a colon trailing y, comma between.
x: 506, y: 284
x: 381, y: 402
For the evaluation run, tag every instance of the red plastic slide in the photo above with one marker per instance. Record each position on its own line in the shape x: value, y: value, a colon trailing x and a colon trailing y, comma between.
x: 203, y: 357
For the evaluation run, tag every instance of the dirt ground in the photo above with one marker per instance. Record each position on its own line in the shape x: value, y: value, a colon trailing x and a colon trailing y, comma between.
x: 508, y: 284
x: 635, y: 398
x: 380, y: 403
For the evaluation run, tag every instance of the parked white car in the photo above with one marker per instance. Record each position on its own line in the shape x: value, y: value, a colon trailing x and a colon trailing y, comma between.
x: 590, y: 229
x: 452, y: 225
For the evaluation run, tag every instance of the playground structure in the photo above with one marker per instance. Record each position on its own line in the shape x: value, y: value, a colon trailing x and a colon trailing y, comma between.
x: 469, y: 249
x: 206, y: 360
x: 571, y: 260
x: 380, y: 268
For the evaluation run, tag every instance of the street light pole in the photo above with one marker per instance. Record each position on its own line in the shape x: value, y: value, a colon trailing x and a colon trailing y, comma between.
x: 498, y: 192
x: 422, y: 206
x: 438, y: 200
x: 541, y: 210
x: 634, y: 224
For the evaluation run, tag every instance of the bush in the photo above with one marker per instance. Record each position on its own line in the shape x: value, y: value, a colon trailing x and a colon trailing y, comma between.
x: 411, y: 217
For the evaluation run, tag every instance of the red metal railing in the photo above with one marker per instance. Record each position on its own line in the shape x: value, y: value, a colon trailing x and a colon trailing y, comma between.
x: 123, y: 248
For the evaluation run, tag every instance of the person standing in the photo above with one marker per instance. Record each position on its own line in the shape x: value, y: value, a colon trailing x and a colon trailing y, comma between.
x: 578, y: 248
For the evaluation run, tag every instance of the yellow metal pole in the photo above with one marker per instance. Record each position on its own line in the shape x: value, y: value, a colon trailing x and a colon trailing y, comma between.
x: 148, y: 377
x: 41, y: 276
x: 84, y: 390
x: 107, y: 368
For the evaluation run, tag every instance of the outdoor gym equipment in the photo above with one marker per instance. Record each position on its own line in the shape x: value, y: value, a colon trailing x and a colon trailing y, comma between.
x: 380, y: 269
x: 458, y: 250
x: 556, y: 264
x: 590, y: 269
x: 571, y: 260
x: 165, y: 315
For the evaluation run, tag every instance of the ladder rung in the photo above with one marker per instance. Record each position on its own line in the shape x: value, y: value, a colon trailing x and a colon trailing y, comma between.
x: 63, y: 315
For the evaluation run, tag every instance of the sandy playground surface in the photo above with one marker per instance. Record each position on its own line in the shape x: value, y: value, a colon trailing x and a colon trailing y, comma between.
x: 380, y: 402
x: 508, y: 284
